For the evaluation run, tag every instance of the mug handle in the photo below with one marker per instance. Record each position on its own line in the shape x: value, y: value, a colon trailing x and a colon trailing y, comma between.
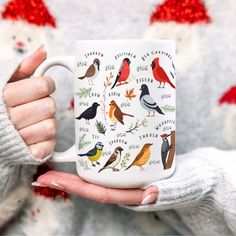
x: 68, y: 63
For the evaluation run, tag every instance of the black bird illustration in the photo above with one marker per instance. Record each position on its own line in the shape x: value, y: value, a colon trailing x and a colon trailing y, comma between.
x: 147, y: 102
x: 165, y: 148
x: 90, y: 113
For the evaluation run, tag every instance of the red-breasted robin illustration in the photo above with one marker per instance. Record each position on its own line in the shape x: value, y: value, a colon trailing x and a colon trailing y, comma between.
x: 123, y: 73
x: 116, y: 115
x: 159, y: 74
x: 143, y: 157
x: 92, y: 71
x: 114, y: 160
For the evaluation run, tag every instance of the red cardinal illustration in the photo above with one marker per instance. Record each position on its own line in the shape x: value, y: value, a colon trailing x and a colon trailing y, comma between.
x: 159, y: 73
x: 123, y: 73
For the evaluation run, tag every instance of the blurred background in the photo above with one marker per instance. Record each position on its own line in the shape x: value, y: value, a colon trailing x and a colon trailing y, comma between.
x: 204, y: 33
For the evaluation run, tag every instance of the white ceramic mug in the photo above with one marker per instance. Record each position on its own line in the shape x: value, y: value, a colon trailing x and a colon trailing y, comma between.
x: 125, y: 101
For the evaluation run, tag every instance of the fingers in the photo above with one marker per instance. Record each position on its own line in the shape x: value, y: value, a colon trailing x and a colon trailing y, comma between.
x: 27, y: 90
x: 39, y: 132
x: 150, y: 195
x: 75, y: 185
x: 29, y: 65
x: 33, y: 112
x: 43, y: 149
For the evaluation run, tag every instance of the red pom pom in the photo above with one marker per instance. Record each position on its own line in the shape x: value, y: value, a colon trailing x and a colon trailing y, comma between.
x: 181, y: 11
x: 48, y: 192
x: 229, y: 97
x: 32, y: 11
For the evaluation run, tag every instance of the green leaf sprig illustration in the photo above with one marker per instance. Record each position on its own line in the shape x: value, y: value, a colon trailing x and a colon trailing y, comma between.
x: 101, y: 128
x: 168, y: 108
x: 126, y: 158
x: 134, y: 126
x: 82, y: 142
x: 84, y: 92
x: 84, y: 164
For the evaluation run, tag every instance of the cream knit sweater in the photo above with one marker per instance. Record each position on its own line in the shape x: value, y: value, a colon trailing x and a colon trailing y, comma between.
x: 200, y: 198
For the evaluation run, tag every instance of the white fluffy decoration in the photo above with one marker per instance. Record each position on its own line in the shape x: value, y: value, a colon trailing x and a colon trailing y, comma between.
x: 186, y: 38
x: 43, y: 217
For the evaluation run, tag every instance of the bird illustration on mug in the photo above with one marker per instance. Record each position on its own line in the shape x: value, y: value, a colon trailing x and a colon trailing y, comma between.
x: 160, y: 74
x: 148, y: 103
x: 89, y: 114
x: 116, y: 115
x: 92, y: 71
x: 114, y: 160
x: 165, y: 148
x: 94, y: 154
x: 143, y: 156
x: 123, y: 73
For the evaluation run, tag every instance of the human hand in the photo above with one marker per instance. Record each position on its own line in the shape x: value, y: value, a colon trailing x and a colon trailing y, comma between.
x: 73, y: 184
x: 30, y: 107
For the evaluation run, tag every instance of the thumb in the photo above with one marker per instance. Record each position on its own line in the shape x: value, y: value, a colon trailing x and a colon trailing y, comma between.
x: 29, y: 65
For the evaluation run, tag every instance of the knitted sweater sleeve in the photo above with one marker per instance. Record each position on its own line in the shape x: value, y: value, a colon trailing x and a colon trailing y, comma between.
x: 13, y: 149
x: 196, y: 177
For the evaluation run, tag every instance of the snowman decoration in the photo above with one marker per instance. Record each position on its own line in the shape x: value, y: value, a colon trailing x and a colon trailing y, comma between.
x: 179, y: 21
x: 24, y: 26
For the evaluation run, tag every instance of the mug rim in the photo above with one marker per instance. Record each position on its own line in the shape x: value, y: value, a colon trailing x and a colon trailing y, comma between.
x: 137, y: 40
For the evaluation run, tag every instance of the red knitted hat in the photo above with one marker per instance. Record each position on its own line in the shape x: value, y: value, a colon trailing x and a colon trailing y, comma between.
x: 33, y: 11
x: 181, y: 11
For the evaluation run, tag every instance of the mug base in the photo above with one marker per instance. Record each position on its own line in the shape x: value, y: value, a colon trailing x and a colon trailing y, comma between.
x: 130, y: 179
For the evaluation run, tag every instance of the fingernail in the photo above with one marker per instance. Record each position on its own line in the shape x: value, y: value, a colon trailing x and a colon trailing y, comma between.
x: 56, y: 185
x: 148, y: 199
x: 37, y: 184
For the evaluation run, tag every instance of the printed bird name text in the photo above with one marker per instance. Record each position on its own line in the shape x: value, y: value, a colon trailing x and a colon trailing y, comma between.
x: 82, y: 63
x: 167, y: 128
x: 125, y: 54
x: 165, y: 123
x: 121, y: 135
x: 106, y: 153
x: 96, y: 137
x: 150, y: 135
x: 89, y: 54
x: 142, y: 68
x: 165, y: 96
x: 85, y: 104
x: 97, y: 95
x: 114, y: 94
x: 155, y: 52
x: 83, y: 129
x: 144, y: 80
x: 133, y: 146
x: 125, y: 104
x: 154, y: 162
x: 115, y: 141
x: 109, y: 67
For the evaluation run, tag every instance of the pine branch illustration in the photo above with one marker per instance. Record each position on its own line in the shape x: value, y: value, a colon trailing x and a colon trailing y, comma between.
x: 84, y: 92
x: 101, y: 128
x: 82, y: 142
